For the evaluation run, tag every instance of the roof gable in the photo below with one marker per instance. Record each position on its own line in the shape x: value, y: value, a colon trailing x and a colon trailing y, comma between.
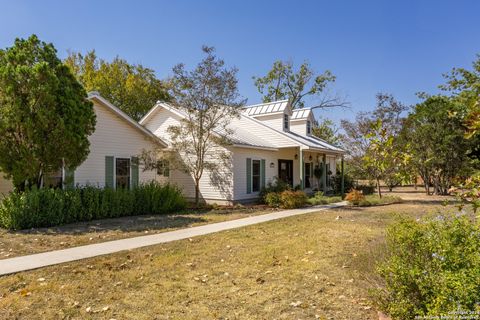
x: 95, y: 96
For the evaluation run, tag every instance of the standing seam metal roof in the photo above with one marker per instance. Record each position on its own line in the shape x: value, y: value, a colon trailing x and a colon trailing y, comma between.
x: 266, y: 108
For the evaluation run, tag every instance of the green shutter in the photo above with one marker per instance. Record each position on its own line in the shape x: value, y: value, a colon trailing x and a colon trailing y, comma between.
x: 108, y: 172
x: 249, y: 175
x: 262, y: 173
x: 135, y: 173
x: 69, y: 178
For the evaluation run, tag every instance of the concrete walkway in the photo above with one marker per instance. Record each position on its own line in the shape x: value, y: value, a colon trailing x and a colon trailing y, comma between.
x: 34, y: 261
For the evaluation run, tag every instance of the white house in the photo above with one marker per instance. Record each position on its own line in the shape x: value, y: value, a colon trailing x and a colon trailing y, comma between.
x: 269, y: 141
x: 114, y: 146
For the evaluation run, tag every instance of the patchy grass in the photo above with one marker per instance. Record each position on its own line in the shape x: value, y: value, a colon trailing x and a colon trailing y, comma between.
x: 15, y: 243
x: 319, y: 265
x: 375, y: 200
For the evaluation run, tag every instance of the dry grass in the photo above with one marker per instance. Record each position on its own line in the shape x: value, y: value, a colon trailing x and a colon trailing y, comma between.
x: 303, y: 267
x: 16, y: 243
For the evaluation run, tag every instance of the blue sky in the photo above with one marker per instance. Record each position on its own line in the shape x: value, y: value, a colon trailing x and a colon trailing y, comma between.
x: 400, y: 47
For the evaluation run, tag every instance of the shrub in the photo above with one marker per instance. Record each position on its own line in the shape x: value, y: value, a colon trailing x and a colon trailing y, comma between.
x: 319, y: 198
x: 348, y: 182
x: 355, y: 196
x: 51, y: 207
x: 276, y: 185
x: 432, y: 268
x: 272, y: 199
x: 292, y: 199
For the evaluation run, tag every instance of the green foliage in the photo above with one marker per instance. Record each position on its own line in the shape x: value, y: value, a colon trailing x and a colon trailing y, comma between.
x: 272, y: 199
x: 51, y: 207
x: 287, y: 199
x: 327, y: 130
x: 436, y: 136
x: 276, y: 185
x: 319, y: 198
x: 293, y: 199
x: 432, y: 267
x: 284, y: 82
x: 45, y: 118
x: 375, y: 150
x: 132, y: 88
x: 468, y: 193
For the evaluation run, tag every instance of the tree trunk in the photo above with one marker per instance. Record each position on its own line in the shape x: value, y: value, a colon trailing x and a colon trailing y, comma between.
x: 197, y: 192
x: 379, y: 190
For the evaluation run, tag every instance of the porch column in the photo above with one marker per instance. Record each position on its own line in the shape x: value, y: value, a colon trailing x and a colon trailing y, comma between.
x: 324, y: 174
x: 302, y: 167
x: 343, y: 181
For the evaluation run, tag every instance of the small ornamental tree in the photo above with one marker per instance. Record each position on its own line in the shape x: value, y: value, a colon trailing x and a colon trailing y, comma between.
x: 208, y: 97
x: 45, y: 117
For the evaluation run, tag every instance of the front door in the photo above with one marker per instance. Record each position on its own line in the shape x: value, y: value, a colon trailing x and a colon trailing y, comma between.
x: 285, y: 171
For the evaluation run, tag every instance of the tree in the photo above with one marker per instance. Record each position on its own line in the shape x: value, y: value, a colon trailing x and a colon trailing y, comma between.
x: 374, y: 150
x: 132, y: 88
x: 45, y: 117
x: 383, y: 159
x: 436, y: 135
x: 327, y: 130
x: 208, y: 97
x: 284, y: 82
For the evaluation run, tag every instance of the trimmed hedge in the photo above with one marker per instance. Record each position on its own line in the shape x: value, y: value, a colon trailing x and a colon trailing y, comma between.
x: 51, y: 207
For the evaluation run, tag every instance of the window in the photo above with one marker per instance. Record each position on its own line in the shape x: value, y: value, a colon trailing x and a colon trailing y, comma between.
x: 163, y: 168
x: 122, y: 173
x: 54, y: 180
x: 309, y: 127
x: 286, y: 122
x: 255, y: 175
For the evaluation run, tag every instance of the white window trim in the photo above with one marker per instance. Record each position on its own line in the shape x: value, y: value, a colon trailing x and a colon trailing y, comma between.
x: 115, y: 171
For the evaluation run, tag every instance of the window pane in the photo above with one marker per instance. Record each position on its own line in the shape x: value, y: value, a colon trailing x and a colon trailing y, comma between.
x: 256, y: 175
x: 122, y: 170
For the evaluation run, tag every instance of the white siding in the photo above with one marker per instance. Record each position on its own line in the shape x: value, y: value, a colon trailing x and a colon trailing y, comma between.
x: 112, y: 137
x: 275, y: 120
x: 299, y: 127
x: 213, y: 185
x: 240, y: 168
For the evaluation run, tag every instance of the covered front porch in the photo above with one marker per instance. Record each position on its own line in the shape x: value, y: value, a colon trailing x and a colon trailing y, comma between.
x: 315, y: 170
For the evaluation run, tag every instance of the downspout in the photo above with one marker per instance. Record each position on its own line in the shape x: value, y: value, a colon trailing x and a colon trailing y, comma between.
x: 324, y: 174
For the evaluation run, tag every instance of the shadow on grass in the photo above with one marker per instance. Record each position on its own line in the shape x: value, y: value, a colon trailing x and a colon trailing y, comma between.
x: 124, y: 224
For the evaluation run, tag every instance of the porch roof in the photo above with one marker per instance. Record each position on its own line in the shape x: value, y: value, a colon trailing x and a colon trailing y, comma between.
x: 314, y: 143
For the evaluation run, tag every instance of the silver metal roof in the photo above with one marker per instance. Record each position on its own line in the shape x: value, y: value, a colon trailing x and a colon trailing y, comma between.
x: 300, y: 114
x: 266, y: 108
x: 313, y: 142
